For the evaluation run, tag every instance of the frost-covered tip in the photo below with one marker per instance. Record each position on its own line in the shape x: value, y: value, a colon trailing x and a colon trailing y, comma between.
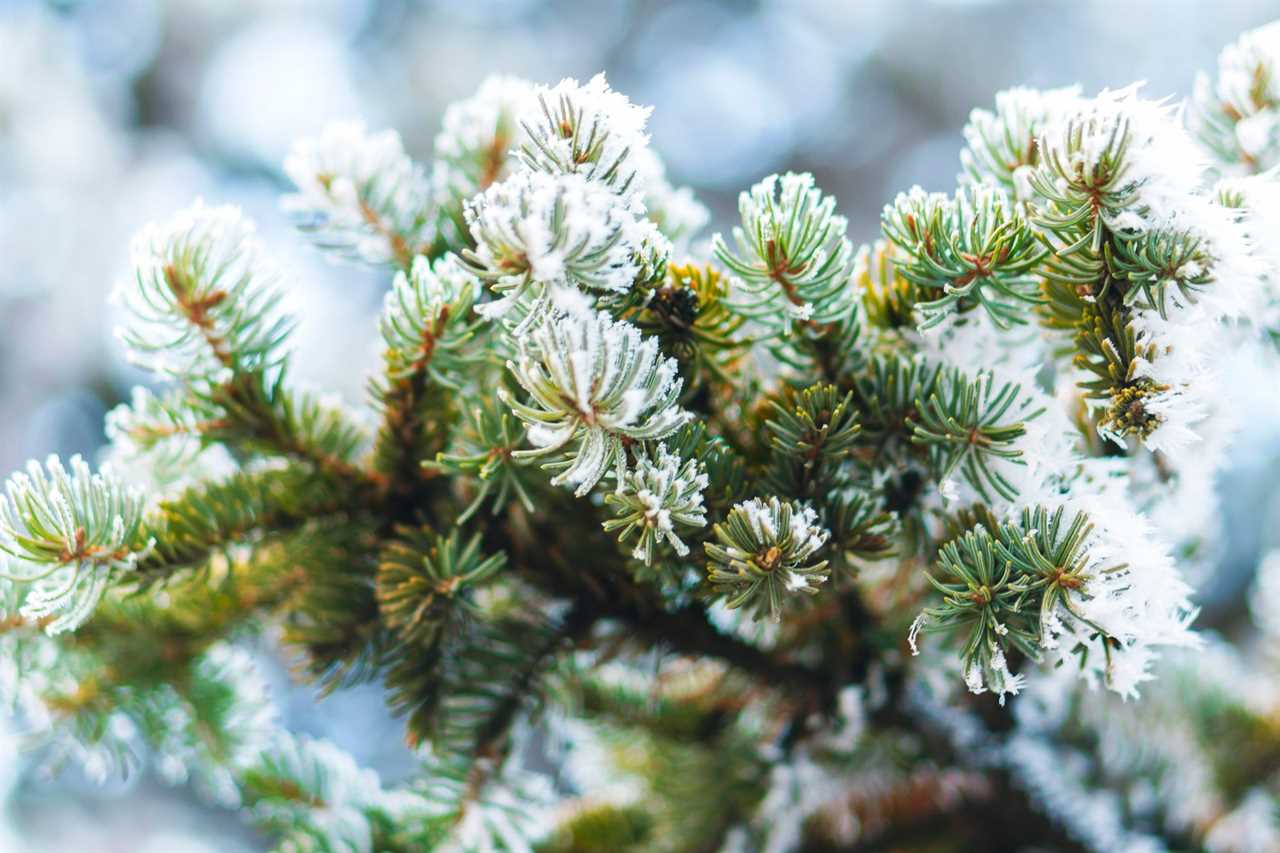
x: 765, y: 552
x: 426, y: 314
x: 478, y: 136
x: 156, y: 443
x: 549, y: 236
x: 1131, y: 151
x: 212, y: 751
x: 589, y: 130
x: 316, y: 794
x: 1238, y: 115
x: 68, y: 532
x: 1001, y: 144
x: 995, y: 676
x: 793, y: 261
x: 1127, y: 160
x: 594, y: 383
x: 1133, y: 592
x: 660, y: 492
x: 360, y: 194
x: 204, y: 300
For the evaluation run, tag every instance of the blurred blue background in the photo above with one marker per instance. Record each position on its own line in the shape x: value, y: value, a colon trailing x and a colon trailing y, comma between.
x: 117, y: 112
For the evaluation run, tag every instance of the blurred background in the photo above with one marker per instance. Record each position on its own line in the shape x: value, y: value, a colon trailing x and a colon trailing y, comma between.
x: 117, y: 112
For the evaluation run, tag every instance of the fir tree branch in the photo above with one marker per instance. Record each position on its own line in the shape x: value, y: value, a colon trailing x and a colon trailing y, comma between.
x: 207, y: 518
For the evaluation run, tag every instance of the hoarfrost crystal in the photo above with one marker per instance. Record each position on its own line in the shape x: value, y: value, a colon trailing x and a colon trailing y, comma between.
x: 593, y: 382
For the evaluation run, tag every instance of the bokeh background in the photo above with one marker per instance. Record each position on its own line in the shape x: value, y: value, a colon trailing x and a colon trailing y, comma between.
x: 117, y: 112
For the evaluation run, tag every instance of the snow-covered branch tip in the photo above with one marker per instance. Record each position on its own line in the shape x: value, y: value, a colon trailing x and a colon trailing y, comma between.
x: 204, y: 304
x: 595, y: 385
x: 68, y: 533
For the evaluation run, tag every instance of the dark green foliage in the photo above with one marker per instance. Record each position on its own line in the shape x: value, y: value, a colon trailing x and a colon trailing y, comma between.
x: 860, y: 529
x: 970, y: 426
x: 812, y: 433
x: 211, y: 517
x: 462, y: 693
x: 333, y: 617
x: 1152, y: 265
x: 887, y: 394
x: 763, y: 551
x: 483, y: 454
x: 423, y: 578
x: 973, y: 250
x: 1006, y: 588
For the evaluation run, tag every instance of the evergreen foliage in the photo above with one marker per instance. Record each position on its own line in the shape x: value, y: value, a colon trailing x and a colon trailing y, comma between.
x: 671, y: 516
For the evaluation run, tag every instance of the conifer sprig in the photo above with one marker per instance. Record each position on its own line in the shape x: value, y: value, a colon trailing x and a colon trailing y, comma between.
x: 968, y: 251
x: 588, y: 130
x: 548, y: 238
x: 972, y: 426
x: 594, y: 386
x: 423, y: 577
x: 658, y: 493
x: 204, y: 304
x: 69, y: 532
x: 360, y: 196
x: 792, y: 258
x: 485, y: 453
x: 763, y: 553
x: 761, y: 416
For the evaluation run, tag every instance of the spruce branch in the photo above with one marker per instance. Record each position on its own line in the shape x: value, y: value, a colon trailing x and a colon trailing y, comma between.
x: 981, y: 591
x: 1084, y: 183
x: 334, y: 619
x: 474, y: 149
x: 72, y: 532
x: 688, y: 314
x: 785, y: 393
x: 204, y: 312
x: 763, y: 552
x: 484, y: 453
x: 659, y: 492
x: 968, y: 251
x: 588, y: 130
x: 969, y: 425
x: 1161, y: 267
x: 812, y: 433
x: 360, y: 196
x: 595, y: 385
x: 424, y: 578
x: 463, y: 693
x: 430, y: 334
x: 792, y: 258
x: 204, y: 305
x: 315, y: 796
x: 544, y: 238
x: 1045, y: 585
x: 167, y: 430
x: 860, y: 529
x: 888, y: 394
x: 207, y: 518
x: 1002, y: 147
x: 1233, y: 115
